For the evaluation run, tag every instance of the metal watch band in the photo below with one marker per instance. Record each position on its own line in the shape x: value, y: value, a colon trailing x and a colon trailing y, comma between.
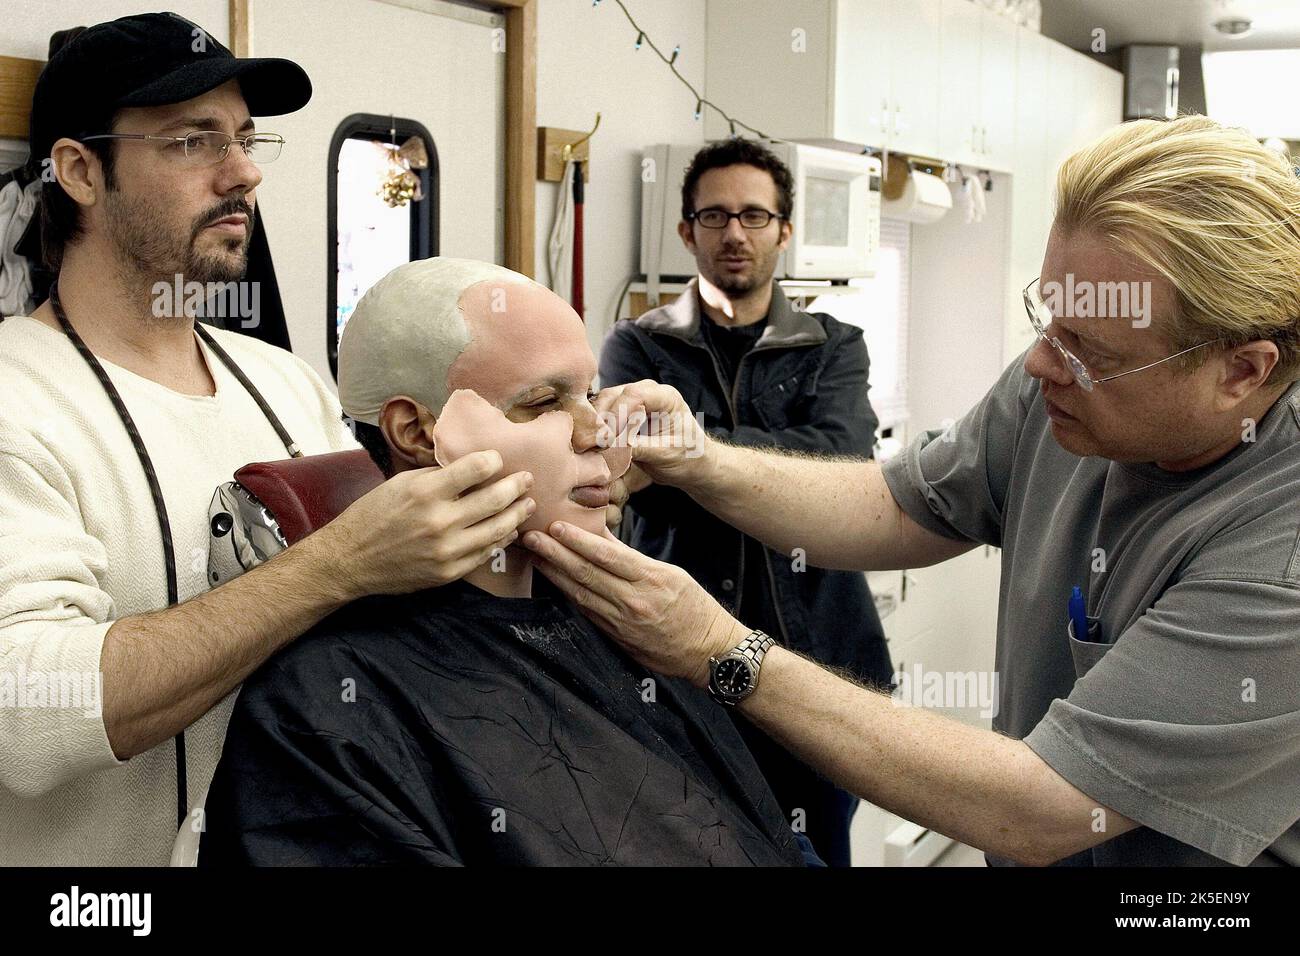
x: 752, y: 649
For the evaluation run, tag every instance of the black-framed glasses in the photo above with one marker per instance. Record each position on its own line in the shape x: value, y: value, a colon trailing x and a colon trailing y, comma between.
x: 716, y: 218
x: 209, y: 147
x: 1040, y: 316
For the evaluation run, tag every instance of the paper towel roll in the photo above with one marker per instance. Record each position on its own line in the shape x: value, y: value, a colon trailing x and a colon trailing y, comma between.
x: 925, y: 198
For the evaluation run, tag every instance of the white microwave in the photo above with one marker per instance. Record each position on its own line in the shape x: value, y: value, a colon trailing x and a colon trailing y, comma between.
x: 836, y: 216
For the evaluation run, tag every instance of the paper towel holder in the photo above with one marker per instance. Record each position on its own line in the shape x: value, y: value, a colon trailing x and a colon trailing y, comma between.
x: 899, y: 168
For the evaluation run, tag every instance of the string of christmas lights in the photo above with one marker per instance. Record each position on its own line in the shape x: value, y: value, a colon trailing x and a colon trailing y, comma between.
x: 700, y: 102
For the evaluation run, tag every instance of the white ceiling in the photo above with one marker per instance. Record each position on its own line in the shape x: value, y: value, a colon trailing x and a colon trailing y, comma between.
x: 1179, y: 22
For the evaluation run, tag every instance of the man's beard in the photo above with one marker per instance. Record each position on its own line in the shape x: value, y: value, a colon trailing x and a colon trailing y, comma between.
x: 734, y: 285
x: 153, y: 249
x: 762, y: 267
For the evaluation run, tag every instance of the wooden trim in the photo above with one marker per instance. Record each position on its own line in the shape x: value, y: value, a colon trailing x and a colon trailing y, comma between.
x: 241, y: 28
x: 551, y: 157
x: 638, y: 303
x: 521, y: 134
x: 17, y: 84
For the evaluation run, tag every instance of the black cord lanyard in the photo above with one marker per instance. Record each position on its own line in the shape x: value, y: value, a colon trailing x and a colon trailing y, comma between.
x: 164, y: 525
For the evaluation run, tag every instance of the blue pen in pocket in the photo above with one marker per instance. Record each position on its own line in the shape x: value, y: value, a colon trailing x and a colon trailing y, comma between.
x: 1079, y: 615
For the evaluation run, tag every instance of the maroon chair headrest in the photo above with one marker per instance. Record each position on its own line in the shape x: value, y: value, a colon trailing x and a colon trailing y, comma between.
x: 306, y: 493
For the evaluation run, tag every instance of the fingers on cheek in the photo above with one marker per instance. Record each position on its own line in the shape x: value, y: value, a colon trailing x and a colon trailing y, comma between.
x: 585, y: 574
x: 540, y: 544
x: 561, y: 559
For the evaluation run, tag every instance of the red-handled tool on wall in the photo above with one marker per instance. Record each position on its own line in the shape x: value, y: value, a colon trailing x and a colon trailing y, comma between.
x: 578, y: 201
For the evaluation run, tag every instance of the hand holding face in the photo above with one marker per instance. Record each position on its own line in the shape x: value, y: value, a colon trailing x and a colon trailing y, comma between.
x: 656, y: 611
x: 424, y: 527
x: 671, y: 447
x: 633, y: 480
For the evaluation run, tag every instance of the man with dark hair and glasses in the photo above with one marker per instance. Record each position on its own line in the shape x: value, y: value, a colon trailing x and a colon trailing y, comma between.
x: 120, y: 416
x: 765, y: 375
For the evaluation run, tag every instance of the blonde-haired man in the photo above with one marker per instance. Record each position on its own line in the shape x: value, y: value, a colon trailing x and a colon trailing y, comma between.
x: 1146, y: 450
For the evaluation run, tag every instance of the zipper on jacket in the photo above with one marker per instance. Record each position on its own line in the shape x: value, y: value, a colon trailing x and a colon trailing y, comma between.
x: 767, y: 558
x: 735, y: 422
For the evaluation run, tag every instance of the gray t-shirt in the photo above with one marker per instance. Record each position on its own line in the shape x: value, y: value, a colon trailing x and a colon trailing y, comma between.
x: 1186, y: 716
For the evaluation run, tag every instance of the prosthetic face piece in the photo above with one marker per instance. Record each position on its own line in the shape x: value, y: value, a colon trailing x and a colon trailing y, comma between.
x: 567, y: 486
x: 502, y: 363
x: 528, y: 355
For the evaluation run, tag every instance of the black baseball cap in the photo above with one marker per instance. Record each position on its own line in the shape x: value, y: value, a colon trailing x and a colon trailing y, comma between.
x: 150, y: 59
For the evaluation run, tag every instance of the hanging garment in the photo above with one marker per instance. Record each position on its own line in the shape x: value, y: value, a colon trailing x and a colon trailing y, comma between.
x: 560, y: 248
x: 17, y: 208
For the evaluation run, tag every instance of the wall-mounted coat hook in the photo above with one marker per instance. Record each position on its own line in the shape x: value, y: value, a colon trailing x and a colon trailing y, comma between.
x: 570, y: 147
x: 555, y: 147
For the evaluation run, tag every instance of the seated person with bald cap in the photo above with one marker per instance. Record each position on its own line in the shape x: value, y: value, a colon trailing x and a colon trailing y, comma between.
x: 485, y: 721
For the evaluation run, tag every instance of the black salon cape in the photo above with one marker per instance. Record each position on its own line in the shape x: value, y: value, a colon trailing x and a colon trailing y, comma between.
x: 453, y: 727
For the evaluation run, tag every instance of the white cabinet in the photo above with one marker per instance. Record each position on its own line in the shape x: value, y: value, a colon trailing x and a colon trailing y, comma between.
x: 937, y: 78
x: 865, y: 71
x: 913, y: 41
x: 1064, y: 100
x: 959, y: 71
x: 997, y: 123
x: 1064, y: 133
x: 861, y: 73
x: 946, y: 621
x: 978, y: 86
x: 1101, y: 96
x: 1031, y: 186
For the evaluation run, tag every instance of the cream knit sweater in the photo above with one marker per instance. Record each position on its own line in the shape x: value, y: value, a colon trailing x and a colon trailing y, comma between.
x: 80, y: 547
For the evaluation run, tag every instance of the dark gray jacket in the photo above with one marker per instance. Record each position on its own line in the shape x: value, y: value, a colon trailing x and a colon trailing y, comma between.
x: 802, y: 387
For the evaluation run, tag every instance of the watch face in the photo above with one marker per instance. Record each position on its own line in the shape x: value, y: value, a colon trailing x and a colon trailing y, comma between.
x: 733, y: 677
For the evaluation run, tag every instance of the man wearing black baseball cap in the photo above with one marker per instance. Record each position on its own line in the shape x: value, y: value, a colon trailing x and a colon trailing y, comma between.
x: 120, y: 416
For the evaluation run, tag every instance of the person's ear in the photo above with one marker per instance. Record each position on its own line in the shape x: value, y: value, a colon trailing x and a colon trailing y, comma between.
x: 688, y: 236
x: 787, y: 231
x: 408, y: 428
x: 1245, y: 369
x: 72, y: 164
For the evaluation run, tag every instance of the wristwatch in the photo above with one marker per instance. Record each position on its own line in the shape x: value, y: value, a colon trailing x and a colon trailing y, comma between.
x: 734, y: 676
